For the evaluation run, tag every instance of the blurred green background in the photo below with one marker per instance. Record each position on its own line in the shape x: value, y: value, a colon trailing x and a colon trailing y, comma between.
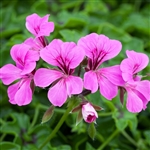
x: 117, y: 129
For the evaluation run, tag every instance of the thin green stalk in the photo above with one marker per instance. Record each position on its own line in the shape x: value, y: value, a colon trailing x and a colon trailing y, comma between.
x: 35, y: 117
x: 129, y: 138
x: 2, y: 136
x: 104, y: 114
x: 63, y: 118
x: 34, y: 120
x: 100, y: 137
x: 108, y: 140
x: 56, y: 109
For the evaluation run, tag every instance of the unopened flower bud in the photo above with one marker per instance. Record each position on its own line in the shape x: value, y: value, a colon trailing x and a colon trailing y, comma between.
x: 88, y: 112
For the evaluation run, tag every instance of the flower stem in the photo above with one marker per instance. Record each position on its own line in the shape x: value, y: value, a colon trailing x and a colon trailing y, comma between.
x: 129, y: 138
x: 109, y: 139
x: 63, y: 118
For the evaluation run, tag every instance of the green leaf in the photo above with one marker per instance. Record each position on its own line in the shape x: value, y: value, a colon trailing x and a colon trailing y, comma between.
x: 48, y: 114
x: 70, y: 35
x: 64, y: 147
x: 123, y: 118
x: 9, y: 146
x: 89, y: 147
x: 19, y: 122
x: 92, y: 130
x: 147, y: 136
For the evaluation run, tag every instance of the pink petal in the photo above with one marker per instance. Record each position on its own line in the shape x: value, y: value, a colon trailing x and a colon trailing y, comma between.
x: 139, y: 60
x: 107, y: 88
x: 134, y: 103
x: 44, y: 77
x: 74, y: 85
x: 24, y: 94
x: 88, y: 44
x: 46, y: 29
x: 18, y: 53
x: 144, y: 88
x: 39, y: 26
x: 28, y: 68
x: 58, y: 93
x: 90, y: 81
x: 33, y: 43
x: 71, y: 54
x: 32, y: 21
x: 32, y: 56
x: 113, y: 74
x: 12, y: 90
x: 52, y: 52
x: 108, y: 48
x: 9, y: 73
x: 127, y: 67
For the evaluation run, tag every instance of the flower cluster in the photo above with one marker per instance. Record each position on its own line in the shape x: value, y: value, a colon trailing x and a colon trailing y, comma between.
x: 64, y: 80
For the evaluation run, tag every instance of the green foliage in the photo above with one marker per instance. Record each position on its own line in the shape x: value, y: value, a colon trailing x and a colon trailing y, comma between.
x: 116, y: 128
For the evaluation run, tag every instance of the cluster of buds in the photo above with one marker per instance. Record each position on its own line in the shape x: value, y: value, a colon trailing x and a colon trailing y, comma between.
x: 63, y: 79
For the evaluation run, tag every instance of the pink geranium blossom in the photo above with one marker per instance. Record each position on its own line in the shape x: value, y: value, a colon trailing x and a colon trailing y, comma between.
x: 20, y: 93
x: 134, y: 63
x: 66, y: 56
x: 98, y: 49
x: 88, y: 112
x: 138, y: 92
x: 138, y: 95
x: 39, y: 26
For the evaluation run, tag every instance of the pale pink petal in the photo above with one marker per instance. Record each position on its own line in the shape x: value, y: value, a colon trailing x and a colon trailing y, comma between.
x: 44, y: 77
x: 24, y: 94
x: 90, y: 81
x: 134, y: 103
x: 140, y: 60
x: 108, y: 48
x: 46, y: 29
x: 144, y: 88
x: 39, y: 26
x: 32, y: 22
x: 32, y: 56
x: 107, y: 88
x: 9, y: 73
x: 71, y: 54
x: 74, y: 85
x: 32, y: 42
x: 52, y: 52
x: 127, y: 67
x: 88, y: 44
x: 28, y: 68
x: 58, y: 93
x: 12, y: 89
x: 18, y: 53
x: 113, y: 74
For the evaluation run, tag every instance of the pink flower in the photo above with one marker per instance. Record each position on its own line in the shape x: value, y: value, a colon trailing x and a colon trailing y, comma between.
x: 35, y: 44
x: 138, y: 95
x: 88, y: 112
x: 98, y: 49
x: 133, y: 64
x: 66, y: 56
x: 138, y: 92
x: 39, y: 26
x: 20, y: 93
